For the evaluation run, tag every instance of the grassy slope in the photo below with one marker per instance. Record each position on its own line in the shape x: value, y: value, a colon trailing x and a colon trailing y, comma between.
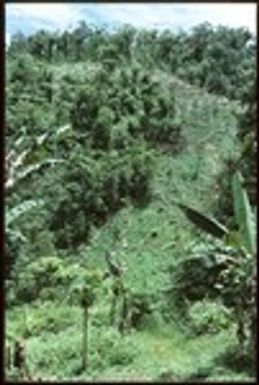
x: 209, y: 128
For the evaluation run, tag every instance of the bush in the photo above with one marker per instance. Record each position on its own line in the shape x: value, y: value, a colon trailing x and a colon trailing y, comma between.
x: 112, y: 349
x: 140, y: 307
x: 45, y: 279
x: 208, y: 317
x: 55, y: 354
x: 199, y: 274
x: 94, y: 187
x: 50, y: 317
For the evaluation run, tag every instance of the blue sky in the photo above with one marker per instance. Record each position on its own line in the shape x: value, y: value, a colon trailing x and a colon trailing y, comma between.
x: 30, y: 17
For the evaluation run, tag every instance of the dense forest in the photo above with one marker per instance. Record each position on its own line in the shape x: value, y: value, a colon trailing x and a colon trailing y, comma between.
x: 130, y: 184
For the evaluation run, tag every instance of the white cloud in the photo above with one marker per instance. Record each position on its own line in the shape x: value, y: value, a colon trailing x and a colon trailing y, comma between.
x: 229, y: 14
x: 182, y: 15
x: 147, y: 15
x: 140, y: 15
x: 56, y: 15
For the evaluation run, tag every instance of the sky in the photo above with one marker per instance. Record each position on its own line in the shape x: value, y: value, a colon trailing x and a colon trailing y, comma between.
x: 30, y: 17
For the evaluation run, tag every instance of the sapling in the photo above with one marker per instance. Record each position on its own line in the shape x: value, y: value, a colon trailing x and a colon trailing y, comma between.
x: 84, y: 288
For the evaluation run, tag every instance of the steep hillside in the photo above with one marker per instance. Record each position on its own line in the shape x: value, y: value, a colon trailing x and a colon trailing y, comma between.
x: 147, y: 241
x: 106, y: 278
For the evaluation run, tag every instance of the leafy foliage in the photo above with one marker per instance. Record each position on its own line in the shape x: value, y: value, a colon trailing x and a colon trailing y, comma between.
x: 235, y: 279
x: 100, y: 124
x: 243, y: 214
x: 208, y: 317
x: 210, y: 225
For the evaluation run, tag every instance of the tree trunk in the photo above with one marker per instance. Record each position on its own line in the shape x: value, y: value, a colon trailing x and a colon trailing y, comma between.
x: 8, y: 358
x: 85, y: 339
x: 113, y: 308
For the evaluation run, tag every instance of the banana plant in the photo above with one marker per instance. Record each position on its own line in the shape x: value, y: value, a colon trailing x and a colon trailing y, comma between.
x: 15, y: 212
x: 245, y: 237
x: 242, y: 276
x: 20, y: 164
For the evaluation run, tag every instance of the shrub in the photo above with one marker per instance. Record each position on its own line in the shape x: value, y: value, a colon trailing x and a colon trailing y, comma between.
x: 45, y: 279
x: 197, y: 275
x: 43, y: 317
x: 55, y: 354
x: 140, y: 308
x: 96, y: 186
x: 208, y: 317
x: 112, y: 348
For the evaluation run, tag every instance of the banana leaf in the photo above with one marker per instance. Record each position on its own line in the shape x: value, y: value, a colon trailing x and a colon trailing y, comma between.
x: 243, y: 214
x: 18, y: 210
x: 207, y: 224
x: 12, y: 181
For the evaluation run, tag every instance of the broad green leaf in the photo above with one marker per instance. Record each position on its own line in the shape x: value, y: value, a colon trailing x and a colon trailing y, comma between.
x: 203, y: 222
x: 243, y: 214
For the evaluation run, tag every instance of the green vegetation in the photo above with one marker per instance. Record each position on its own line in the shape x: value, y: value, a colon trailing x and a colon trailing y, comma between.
x: 117, y: 144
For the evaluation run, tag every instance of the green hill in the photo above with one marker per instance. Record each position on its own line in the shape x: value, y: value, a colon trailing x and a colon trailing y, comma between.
x: 134, y: 139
